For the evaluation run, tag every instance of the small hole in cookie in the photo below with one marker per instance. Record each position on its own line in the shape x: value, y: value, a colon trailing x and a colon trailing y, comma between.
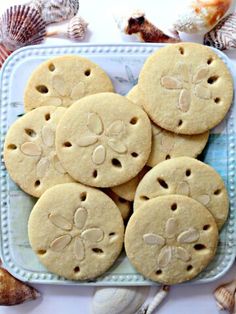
x: 111, y: 234
x: 42, y: 89
x: 181, y: 50
x: 67, y: 144
x: 188, y: 172
x: 37, y: 183
x: 144, y: 198
x: 97, y: 250
x: 134, y: 120
x: 168, y: 157
x: 159, y: 272
x: 180, y: 122
x: 47, y: 116
x: 189, y: 267
x: 206, y: 227
x: 41, y: 252
x: 87, y: 72
x: 135, y: 155
x: 116, y: 163
x: 199, y: 247
x: 174, y: 206
x: 212, y: 79
x: 83, y: 196
x: 11, y: 147
x: 122, y: 200
x: 209, y: 60
x: 217, y: 192
x: 95, y: 173
x: 162, y: 183
x: 30, y: 132
x: 76, y: 269
x: 217, y: 100
x: 51, y: 67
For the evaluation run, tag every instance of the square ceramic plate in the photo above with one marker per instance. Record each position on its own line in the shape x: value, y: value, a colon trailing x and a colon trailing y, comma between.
x: 123, y: 64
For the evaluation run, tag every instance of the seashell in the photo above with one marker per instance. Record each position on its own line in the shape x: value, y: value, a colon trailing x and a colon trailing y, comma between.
x: 200, y: 16
x: 114, y: 300
x: 21, y: 26
x: 53, y: 11
x: 76, y: 29
x: 223, y: 35
x: 224, y: 295
x: 13, y: 291
x: 137, y: 24
x: 4, y: 53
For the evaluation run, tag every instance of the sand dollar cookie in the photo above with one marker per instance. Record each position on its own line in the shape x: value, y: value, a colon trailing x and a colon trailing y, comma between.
x: 171, y: 239
x: 187, y: 88
x: 76, y: 231
x: 186, y: 176
x: 29, y: 151
x: 124, y: 206
x: 62, y: 80
x: 166, y: 144
x: 104, y: 140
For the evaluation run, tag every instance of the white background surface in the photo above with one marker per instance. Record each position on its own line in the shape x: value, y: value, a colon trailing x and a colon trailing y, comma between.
x: 185, y: 299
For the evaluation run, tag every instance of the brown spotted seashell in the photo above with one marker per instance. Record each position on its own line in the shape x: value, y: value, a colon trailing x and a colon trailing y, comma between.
x: 21, y: 26
x: 223, y: 35
x: 77, y: 28
x: 4, y: 53
x: 224, y: 296
x: 54, y: 11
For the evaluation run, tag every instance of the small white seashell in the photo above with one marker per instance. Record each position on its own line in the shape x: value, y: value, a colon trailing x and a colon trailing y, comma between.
x: 113, y: 300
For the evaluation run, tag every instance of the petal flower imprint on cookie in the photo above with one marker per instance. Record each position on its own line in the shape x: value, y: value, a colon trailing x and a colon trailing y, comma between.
x: 76, y: 231
x: 168, y: 250
x: 188, y: 84
x: 33, y: 149
x: 111, y: 136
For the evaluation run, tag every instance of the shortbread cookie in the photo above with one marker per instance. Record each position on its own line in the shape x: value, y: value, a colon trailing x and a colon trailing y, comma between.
x: 166, y: 144
x: 62, y: 80
x: 29, y: 151
x: 187, y: 88
x: 171, y: 239
x: 127, y: 190
x: 186, y: 176
x: 76, y: 231
x: 124, y: 206
x: 104, y: 140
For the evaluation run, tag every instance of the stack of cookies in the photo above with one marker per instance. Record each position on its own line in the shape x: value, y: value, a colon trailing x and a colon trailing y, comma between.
x: 90, y: 155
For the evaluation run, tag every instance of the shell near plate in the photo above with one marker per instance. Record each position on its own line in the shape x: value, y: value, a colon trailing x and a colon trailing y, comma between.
x: 54, y: 11
x: 4, y: 53
x: 21, y: 26
x: 77, y: 28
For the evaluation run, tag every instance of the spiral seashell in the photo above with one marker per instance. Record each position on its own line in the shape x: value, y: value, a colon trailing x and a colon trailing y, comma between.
x: 4, y: 53
x: 223, y: 35
x: 77, y: 28
x: 224, y: 296
x: 53, y: 11
x: 114, y: 300
x: 21, y: 25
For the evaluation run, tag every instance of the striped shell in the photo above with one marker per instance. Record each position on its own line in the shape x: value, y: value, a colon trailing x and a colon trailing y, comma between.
x: 77, y: 28
x: 54, y: 11
x: 4, y: 53
x: 223, y: 36
x: 21, y: 26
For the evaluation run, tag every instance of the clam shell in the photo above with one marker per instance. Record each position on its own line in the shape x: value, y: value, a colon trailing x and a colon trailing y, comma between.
x: 114, y: 300
x: 224, y: 298
x: 77, y: 28
x: 21, y: 25
x: 4, y: 53
x: 54, y: 11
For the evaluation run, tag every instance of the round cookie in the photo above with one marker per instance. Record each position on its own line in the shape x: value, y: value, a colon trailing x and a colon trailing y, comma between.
x: 124, y: 206
x: 166, y: 144
x: 60, y: 81
x: 186, y: 176
x: 76, y: 231
x: 29, y: 151
x: 104, y: 140
x: 174, y: 242
x: 187, y: 88
x: 127, y: 190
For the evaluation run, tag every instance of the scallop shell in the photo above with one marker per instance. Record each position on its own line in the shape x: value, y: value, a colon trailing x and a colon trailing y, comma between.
x: 21, y: 26
x: 4, y: 53
x: 223, y: 35
x: 113, y: 300
x: 54, y: 11
x: 225, y: 297
x: 77, y: 28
